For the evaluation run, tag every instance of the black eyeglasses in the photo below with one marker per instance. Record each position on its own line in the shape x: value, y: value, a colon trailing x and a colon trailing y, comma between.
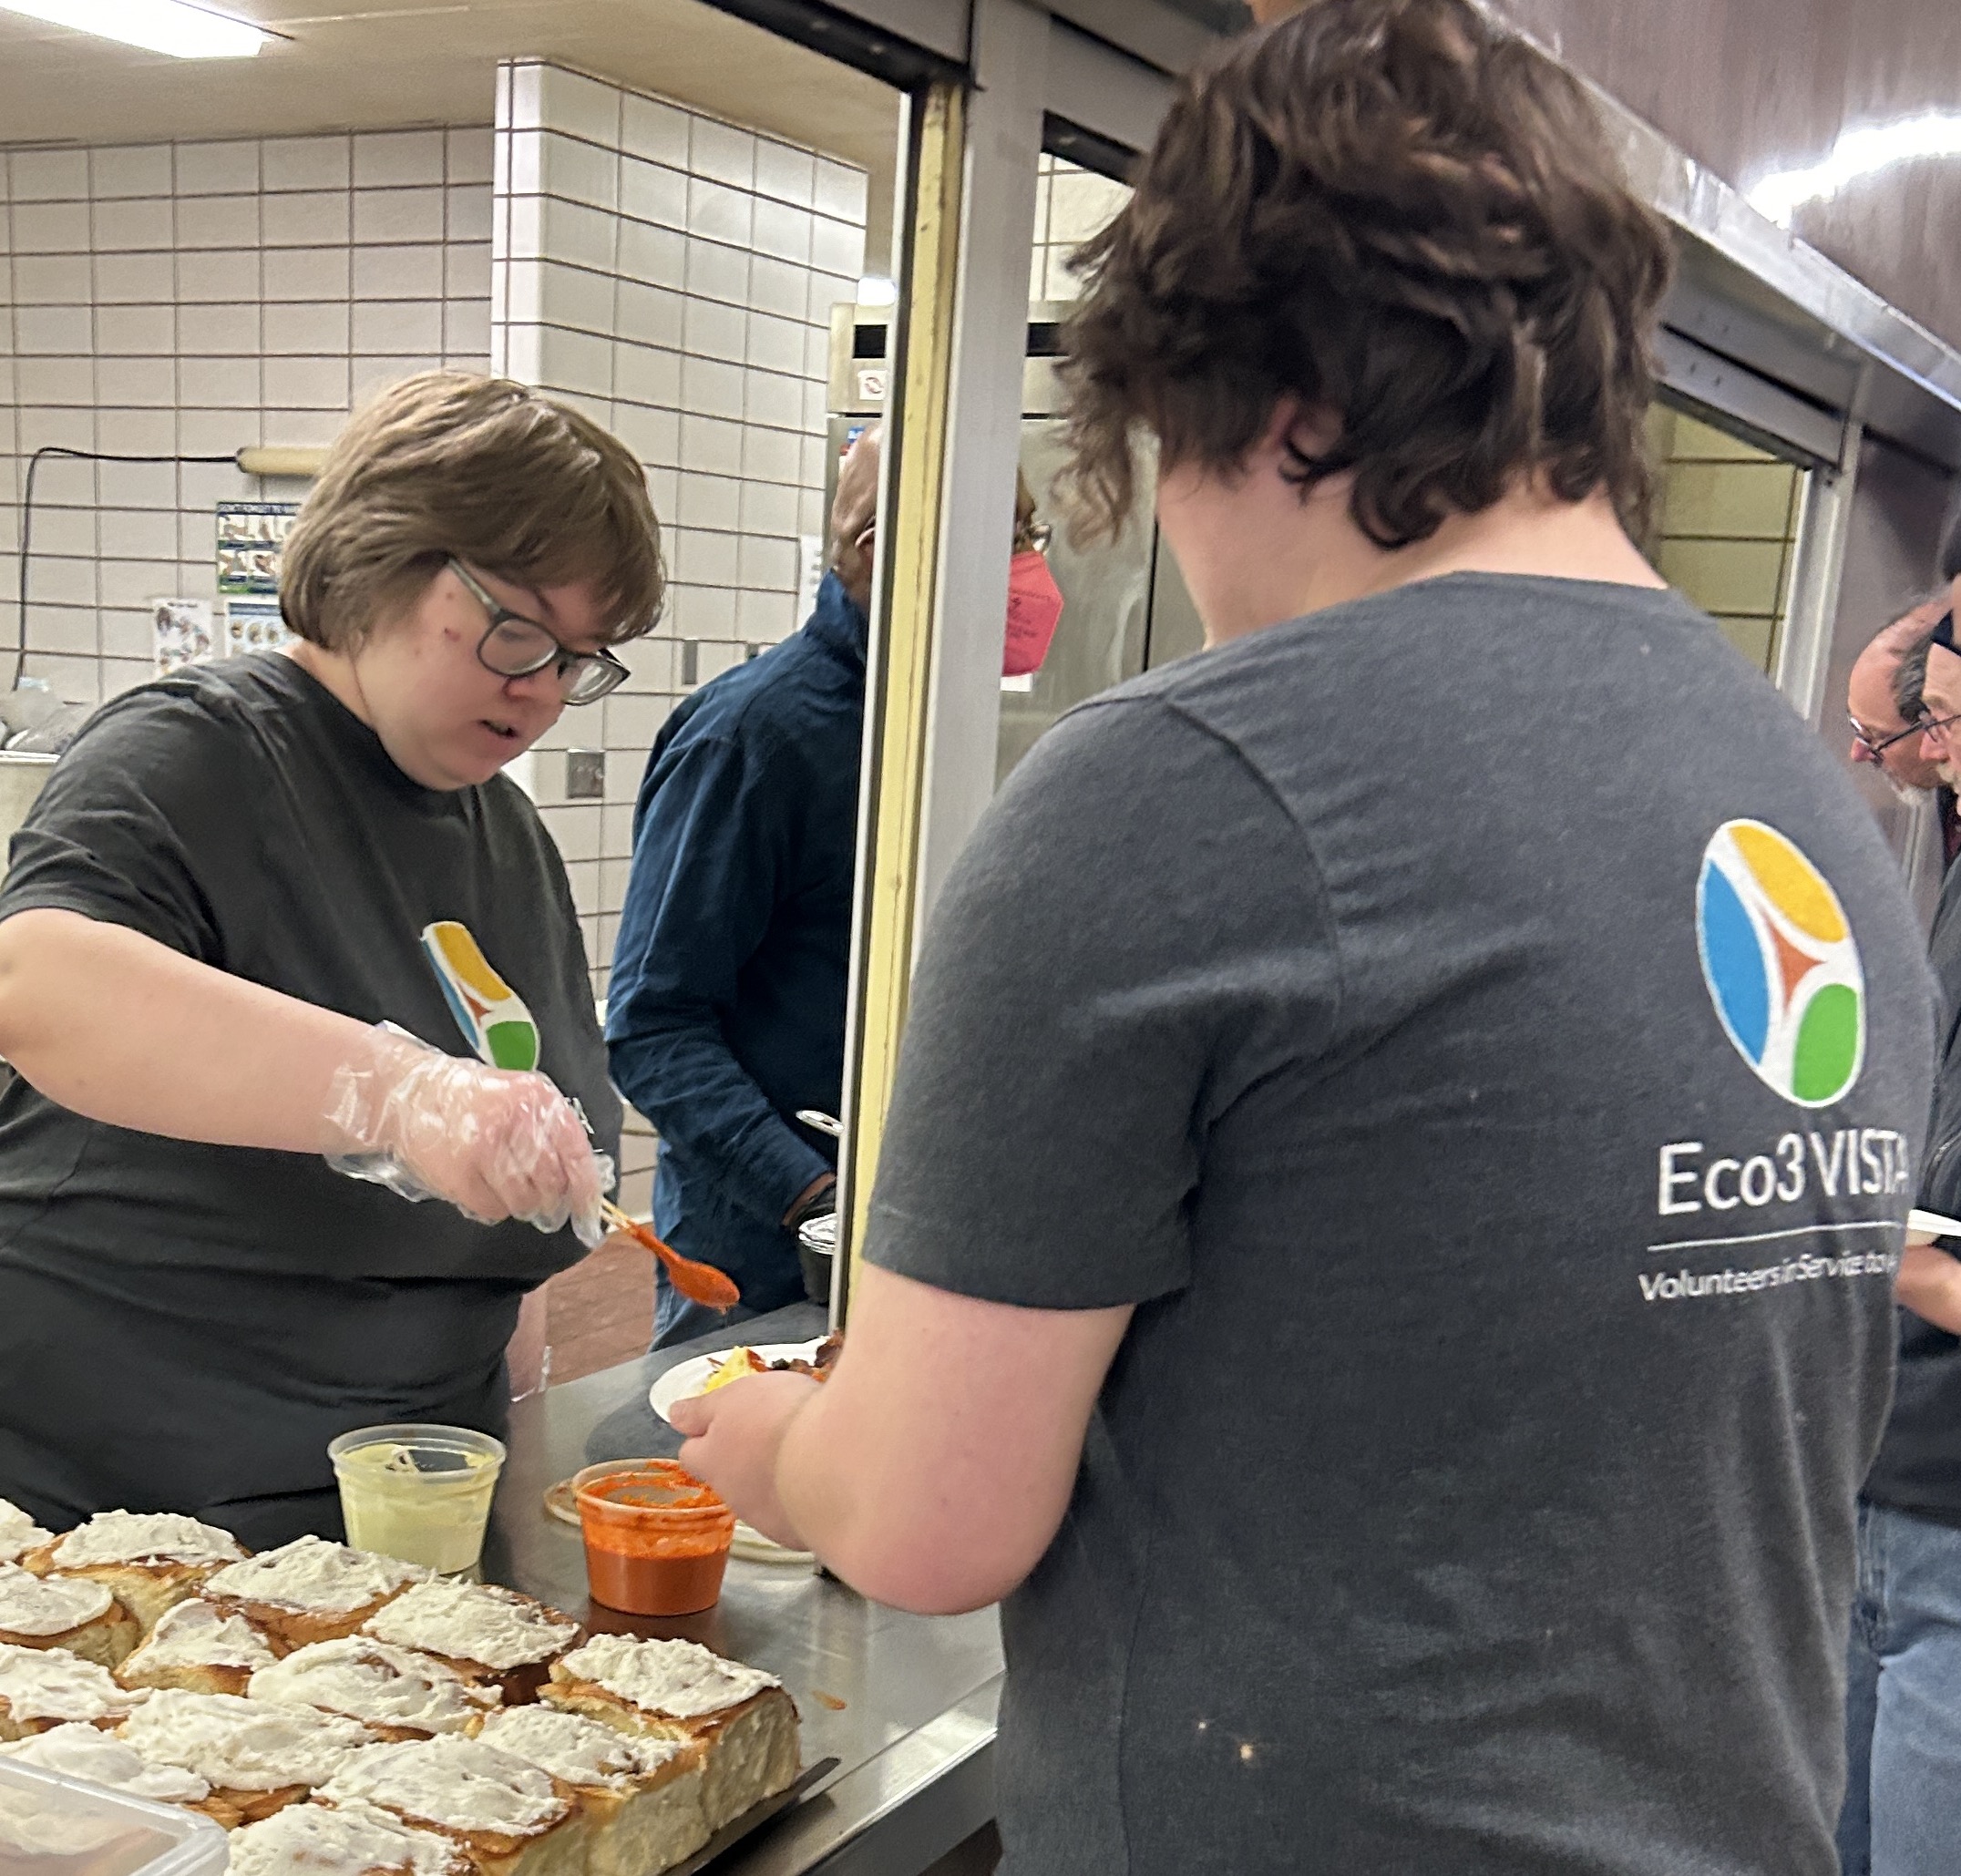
x: 1941, y: 635
x: 515, y: 647
x: 1876, y: 747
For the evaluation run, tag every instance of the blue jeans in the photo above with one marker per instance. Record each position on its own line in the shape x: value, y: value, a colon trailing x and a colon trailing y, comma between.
x: 1903, y: 1706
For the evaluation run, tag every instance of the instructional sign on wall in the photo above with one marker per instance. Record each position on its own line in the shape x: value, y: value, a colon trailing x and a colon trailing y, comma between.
x: 250, y: 534
x: 254, y: 625
x: 183, y: 633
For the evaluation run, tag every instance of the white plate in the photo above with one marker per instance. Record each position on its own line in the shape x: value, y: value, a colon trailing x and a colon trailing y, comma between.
x: 689, y: 1378
x: 751, y: 1545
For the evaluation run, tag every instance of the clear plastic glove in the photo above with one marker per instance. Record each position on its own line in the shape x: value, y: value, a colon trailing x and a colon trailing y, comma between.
x: 494, y: 1144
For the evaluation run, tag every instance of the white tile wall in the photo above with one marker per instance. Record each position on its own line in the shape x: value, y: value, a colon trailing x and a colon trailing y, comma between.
x: 673, y: 274
x: 163, y: 299
x: 1071, y: 205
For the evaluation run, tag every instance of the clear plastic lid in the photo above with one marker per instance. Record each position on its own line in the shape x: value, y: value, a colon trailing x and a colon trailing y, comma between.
x: 51, y: 1825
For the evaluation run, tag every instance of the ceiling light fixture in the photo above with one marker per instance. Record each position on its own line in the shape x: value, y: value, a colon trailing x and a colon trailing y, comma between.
x: 1859, y: 152
x: 158, y: 25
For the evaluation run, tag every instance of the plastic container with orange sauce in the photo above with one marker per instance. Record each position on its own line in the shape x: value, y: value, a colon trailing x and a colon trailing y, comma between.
x: 657, y: 1539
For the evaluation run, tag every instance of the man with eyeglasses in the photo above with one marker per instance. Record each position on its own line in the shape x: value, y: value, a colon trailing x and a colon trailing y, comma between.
x: 1883, y: 735
x: 1904, y: 1683
x: 1884, y: 712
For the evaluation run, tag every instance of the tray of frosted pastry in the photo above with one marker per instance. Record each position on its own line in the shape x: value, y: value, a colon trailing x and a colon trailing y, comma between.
x: 309, y: 1590
x: 146, y: 1560
x: 98, y: 1590
x: 739, y: 1718
x: 344, y: 1714
x: 73, y: 1613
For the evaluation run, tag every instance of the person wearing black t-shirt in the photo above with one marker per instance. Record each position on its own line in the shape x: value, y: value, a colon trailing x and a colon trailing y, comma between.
x: 1903, y: 1814
x: 287, y: 906
x: 1399, y: 1306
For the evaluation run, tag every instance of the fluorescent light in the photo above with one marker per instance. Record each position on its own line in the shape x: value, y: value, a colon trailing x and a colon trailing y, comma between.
x: 878, y: 290
x: 1859, y: 152
x: 157, y: 25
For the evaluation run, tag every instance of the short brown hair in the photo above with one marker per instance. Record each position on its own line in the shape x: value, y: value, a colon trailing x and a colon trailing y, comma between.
x: 451, y: 463
x: 1394, y: 210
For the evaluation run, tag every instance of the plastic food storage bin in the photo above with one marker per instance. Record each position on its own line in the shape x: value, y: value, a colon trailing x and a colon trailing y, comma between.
x: 51, y: 1825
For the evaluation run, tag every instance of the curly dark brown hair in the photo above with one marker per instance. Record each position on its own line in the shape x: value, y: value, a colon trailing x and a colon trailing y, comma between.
x: 1395, y: 210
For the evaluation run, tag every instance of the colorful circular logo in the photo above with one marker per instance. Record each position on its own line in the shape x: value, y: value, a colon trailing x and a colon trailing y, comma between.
x: 1782, y: 966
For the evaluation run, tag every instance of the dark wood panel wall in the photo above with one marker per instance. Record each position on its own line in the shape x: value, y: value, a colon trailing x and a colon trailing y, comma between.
x: 1750, y: 86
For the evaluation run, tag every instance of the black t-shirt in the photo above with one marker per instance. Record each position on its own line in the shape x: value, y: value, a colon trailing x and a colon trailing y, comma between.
x: 183, y: 1327
x: 1474, y: 1489
x: 1918, y: 1470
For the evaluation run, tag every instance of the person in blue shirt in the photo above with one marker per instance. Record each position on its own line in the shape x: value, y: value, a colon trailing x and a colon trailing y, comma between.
x: 725, y: 1014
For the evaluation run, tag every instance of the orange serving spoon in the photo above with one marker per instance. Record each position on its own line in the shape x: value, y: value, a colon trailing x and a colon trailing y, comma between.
x: 699, y: 1283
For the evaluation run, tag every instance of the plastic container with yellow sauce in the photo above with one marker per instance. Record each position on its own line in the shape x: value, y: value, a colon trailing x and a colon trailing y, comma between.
x: 657, y: 1539
x: 419, y: 1493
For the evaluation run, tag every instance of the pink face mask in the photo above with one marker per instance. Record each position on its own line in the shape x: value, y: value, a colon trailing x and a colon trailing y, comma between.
x: 1034, y: 610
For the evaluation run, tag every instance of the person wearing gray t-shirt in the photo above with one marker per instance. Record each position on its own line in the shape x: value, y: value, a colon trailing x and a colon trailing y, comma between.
x: 1397, y: 1305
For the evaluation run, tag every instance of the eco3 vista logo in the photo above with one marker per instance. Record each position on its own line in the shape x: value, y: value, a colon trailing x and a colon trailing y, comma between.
x: 1780, y: 963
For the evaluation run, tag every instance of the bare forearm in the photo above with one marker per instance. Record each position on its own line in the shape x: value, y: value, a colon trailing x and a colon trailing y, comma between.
x: 899, y: 1528
x: 115, y: 1026
x: 1929, y: 1284
x: 933, y: 1469
x: 821, y: 1490
x: 890, y: 1533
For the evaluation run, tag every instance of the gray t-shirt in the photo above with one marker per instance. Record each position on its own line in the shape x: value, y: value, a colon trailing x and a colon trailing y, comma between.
x: 1438, y: 1017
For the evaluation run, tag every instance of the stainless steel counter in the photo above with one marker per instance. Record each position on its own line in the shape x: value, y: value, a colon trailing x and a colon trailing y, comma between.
x: 904, y: 1703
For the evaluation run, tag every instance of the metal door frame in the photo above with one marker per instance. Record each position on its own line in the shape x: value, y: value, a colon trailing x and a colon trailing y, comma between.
x: 933, y: 683
x: 900, y: 658
x: 1804, y: 644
